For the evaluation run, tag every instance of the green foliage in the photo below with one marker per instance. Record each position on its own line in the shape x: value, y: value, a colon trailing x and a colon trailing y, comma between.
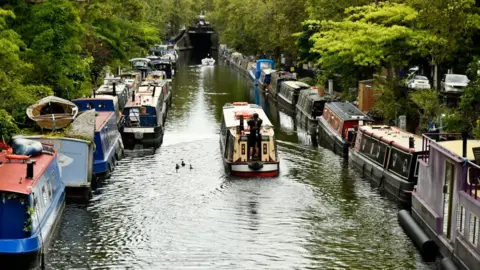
x: 428, y: 105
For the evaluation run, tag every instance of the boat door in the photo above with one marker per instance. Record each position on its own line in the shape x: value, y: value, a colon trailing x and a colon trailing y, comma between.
x: 447, y: 198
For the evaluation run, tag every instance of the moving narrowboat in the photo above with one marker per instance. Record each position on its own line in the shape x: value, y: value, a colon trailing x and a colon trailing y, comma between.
x: 276, y: 80
x: 52, y: 113
x: 389, y: 157
x: 234, y: 142
x: 336, y: 126
x: 289, y: 93
x: 310, y: 105
x: 32, y: 203
x: 74, y: 155
x: 143, y: 116
x: 116, y: 87
x: 446, y: 201
x: 109, y: 145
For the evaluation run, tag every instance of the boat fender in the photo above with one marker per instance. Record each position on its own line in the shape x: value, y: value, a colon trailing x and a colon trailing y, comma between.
x: 26, y: 147
x: 447, y: 264
x: 255, y: 166
x: 418, y: 236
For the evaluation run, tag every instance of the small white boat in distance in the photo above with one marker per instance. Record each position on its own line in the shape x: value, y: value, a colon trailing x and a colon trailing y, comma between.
x: 208, y: 61
x: 235, y: 142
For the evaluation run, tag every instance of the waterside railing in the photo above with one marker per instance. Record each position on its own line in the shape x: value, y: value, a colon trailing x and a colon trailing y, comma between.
x: 428, y: 138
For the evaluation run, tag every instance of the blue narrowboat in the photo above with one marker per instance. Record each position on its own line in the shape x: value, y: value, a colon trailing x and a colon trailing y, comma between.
x: 144, y: 116
x: 32, y: 200
x: 256, y: 70
x: 108, y: 144
x: 101, y: 103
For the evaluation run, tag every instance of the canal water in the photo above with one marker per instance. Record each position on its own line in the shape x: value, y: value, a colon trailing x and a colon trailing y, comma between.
x: 318, y: 214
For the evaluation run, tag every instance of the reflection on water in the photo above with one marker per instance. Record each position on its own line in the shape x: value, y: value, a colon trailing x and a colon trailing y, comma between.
x: 316, y: 215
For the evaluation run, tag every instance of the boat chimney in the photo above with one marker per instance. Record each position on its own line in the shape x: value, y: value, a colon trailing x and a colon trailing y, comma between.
x: 330, y: 87
x: 93, y: 93
x: 411, y: 142
x: 114, y: 88
x: 30, y: 164
x: 464, y: 144
x: 119, y: 71
x: 154, y: 88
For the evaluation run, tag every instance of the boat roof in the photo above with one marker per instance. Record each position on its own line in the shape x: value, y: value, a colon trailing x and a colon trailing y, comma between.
x: 456, y: 147
x: 268, y: 71
x: 394, y: 135
x: 101, y: 119
x: 347, y: 111
x: 296, y: 84
x: 229, y: 111
x: 313, y: 95
x: 139, y: 59
x: 12, y: 174
x: 144, y: 97
x: 99, y: 98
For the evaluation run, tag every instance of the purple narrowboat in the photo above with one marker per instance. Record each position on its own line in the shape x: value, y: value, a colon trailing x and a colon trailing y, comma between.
x: 446, y: 200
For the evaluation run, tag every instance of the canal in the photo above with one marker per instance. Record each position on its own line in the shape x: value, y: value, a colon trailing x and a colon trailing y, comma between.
x: 318, y: 214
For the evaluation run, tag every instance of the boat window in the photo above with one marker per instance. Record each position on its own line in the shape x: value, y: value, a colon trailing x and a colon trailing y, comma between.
x: 45, y: 196
x: 461, y: 219
x: 474, y: 230
x: 101, y: 105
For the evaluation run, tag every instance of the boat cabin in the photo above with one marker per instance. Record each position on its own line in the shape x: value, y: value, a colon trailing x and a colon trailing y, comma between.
x: 116, y: 87
x: 141, y: 65
x: 395, y: 150
x: 263, y: 64
x: 106, y: 138
x: 446, y: 199
x: 131, y: 79
x: 290, y: 92
x: 164, y: 65
x: 101, y: 103
x: 235, y: 131
x: 310, y: 104
x: 277, y: 78
x: 342, y: 117
x: 145, y: 109
x: 265, y: 77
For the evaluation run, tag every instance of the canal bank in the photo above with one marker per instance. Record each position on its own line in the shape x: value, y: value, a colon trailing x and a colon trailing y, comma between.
x: 317, y: 214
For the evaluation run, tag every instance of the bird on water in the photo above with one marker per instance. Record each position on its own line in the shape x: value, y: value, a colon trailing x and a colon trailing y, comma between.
x: 183, y: 164
x: 177, y: 167
x: 191, y: 167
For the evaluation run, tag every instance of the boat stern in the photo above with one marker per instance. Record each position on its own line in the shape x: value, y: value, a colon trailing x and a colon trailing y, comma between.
x: 254, y: 169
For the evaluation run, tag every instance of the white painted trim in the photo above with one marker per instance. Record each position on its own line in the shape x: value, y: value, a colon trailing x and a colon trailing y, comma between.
x: 245, y: 168
x: 138, y: 130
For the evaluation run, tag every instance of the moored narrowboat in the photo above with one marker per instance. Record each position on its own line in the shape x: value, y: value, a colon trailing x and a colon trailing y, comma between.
x: 265, y: 79
x: 276, y: 80
x: 336, y: 126
x: 310, y: 105
x: 108, y: 145
x: 446, y: 201
x: 141, y: 65
x: 116, y: 87
x: 101, y: 103
x: 32, y: 203
x: 143, y: 116
x: 164, y: 65
x: 132, y: 79
x: 289, y: 93
x: 389, y: 157
x: 234, y: 143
